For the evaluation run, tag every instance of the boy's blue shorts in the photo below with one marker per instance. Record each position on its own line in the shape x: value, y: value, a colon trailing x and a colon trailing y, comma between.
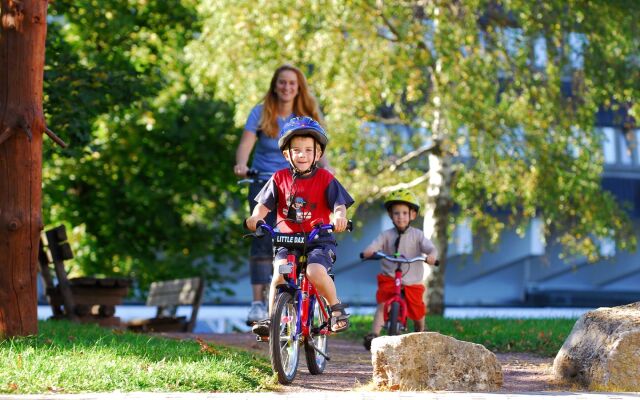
x: 323, y: 254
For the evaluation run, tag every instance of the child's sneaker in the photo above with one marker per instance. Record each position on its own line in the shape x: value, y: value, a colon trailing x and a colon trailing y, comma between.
x: 258, y: 312
x: 367, y: 340
x: 261, y: 328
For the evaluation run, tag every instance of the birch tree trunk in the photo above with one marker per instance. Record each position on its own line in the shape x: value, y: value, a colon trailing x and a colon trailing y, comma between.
x: 435, y: 227
x: 439, y: 200
x: 22, y: 47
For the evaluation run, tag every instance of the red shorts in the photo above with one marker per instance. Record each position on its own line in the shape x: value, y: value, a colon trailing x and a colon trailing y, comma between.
x: 413, y: 295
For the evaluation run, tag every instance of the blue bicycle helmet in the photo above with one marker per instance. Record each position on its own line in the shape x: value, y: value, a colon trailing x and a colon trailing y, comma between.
x: 299, y: 126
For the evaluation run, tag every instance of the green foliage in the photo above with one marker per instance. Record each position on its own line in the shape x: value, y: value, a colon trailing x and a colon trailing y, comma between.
x: 539, y: 336
x: 143, y: 179
x: 468, y: 77
x: 72, y: 358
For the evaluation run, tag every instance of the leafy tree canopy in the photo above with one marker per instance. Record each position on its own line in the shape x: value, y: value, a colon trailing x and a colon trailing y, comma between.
x: 504, y: 93
x: 141, y: 179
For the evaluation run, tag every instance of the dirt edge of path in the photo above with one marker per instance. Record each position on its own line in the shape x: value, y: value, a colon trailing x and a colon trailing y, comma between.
x: 350, y: 366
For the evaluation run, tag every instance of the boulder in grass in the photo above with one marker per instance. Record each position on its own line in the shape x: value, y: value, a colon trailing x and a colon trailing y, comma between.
x: 431, y: 361
x: 602, y: 351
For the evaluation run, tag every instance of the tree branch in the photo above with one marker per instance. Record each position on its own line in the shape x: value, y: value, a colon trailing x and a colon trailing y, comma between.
x: 6, y: 134
x: 26, y: 128
x: 406, y: 158
x: 408, y: 185
x: 55, y: 137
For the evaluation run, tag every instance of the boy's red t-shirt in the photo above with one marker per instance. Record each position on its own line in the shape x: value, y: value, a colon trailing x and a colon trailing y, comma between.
x: 304, y: 200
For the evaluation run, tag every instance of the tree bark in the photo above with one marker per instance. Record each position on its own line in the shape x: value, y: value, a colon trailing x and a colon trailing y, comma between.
x: 436, y: 220
x: 22, y: 48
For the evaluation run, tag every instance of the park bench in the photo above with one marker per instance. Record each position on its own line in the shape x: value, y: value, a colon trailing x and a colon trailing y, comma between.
x: 167, y: 296
x: 84, y: 299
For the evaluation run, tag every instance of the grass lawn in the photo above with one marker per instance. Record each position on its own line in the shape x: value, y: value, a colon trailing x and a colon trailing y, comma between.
x: 72, y: 358
x: 540, y: 336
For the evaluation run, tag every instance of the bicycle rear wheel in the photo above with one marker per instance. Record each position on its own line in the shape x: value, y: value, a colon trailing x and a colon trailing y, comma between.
x: 394, y: 313
x: 316, y: 363
x: 283, y: 338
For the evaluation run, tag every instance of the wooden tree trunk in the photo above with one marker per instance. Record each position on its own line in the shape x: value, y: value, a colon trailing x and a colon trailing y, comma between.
x: 22, y: 47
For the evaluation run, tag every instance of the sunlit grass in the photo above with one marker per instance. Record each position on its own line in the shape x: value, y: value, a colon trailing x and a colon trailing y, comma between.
x: 539, y: 336
x: 72, y: 358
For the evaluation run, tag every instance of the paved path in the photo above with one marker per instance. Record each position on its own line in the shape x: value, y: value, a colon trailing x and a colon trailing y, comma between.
x: 330, y: 396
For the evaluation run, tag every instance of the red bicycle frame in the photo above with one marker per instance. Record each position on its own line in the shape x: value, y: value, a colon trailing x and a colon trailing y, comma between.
x: 307, y: 291
x: 397, y: 298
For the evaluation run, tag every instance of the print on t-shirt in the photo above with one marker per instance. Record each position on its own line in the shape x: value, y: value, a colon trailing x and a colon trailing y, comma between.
x: 298, y: 209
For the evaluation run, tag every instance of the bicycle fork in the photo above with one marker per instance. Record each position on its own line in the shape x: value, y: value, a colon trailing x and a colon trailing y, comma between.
x: 307, y: 305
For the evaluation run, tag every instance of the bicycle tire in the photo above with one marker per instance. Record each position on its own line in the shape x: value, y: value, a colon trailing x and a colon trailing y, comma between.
x: 283, y: 345
x: 394, y: 313
x: 316, y: 363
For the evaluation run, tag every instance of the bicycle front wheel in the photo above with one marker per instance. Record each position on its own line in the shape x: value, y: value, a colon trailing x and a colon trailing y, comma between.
x: 394, y: 313
x: 283, y: 338
x: 316, y: 362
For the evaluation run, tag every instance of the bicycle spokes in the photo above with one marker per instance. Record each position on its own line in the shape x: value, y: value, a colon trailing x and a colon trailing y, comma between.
x: 284, y: 341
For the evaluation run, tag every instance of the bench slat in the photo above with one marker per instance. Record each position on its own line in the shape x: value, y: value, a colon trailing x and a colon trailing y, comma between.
x: 174, y: 292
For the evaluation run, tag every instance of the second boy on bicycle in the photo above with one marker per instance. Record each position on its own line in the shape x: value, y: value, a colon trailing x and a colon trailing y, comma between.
x: 406, y: 241
x: 304, y: 195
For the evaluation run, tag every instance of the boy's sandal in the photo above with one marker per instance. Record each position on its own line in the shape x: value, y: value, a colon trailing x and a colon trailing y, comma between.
x: 367, y: 340
x: 343, y: 317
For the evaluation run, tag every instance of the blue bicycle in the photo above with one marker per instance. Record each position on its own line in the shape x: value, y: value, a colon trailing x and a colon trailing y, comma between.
x: 300, y: 315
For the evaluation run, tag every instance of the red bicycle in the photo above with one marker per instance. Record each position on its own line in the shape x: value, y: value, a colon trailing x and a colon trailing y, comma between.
x: 300, y: 315
x: 395, y: 308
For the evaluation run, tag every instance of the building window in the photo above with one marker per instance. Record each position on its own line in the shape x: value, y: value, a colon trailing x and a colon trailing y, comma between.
x: 637, y: 137
x: 609, y: 144
x: 606, y: 247
x: 536, y: 233
x: 461, y: 241
x: 626, y: 148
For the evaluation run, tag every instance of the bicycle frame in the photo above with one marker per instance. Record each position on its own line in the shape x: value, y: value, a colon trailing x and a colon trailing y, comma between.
x: 306, y: 294
x: 397, y: 298
x: 293, y: 319
x: 398, y: 287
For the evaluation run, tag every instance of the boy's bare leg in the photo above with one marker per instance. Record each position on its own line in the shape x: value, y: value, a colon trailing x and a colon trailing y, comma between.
x: 258, y: 291
x: 276, y: 280
x: 325, y: 286
x: 378, y: 319
x: 318, y: 275
x: 418, y: 325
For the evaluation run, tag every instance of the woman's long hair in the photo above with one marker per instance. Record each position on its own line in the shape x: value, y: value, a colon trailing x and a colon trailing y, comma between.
x: 304, y: 104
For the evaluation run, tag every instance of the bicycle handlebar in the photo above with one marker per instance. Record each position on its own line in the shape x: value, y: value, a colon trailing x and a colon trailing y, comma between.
x: 262, y: 228
x: 378, y: 255
x: 253, y: 174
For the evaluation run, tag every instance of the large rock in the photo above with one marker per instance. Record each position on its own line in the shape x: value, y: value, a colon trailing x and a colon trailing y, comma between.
x: 431, y: 361
x: 603, y: 350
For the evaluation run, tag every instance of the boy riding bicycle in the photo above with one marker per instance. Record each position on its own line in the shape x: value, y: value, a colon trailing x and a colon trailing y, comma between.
x: 304, y: 195
x: 407, y: 241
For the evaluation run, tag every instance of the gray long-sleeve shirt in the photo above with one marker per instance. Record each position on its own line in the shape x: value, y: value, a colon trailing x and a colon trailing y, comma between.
x: 412, y: 244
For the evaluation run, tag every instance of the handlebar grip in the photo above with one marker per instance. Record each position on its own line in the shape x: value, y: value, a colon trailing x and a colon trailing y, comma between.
x: 260, y: 232
x: 252, y: 172
x: 350, y: 227
x: 437, y: 263
x: 362, y: 256
x: 245, y: 226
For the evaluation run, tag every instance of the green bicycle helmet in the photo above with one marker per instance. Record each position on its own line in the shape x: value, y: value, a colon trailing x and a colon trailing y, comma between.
x: 402, y: 196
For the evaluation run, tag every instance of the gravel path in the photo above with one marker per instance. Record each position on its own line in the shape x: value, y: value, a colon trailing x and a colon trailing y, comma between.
x: 350, y: 366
